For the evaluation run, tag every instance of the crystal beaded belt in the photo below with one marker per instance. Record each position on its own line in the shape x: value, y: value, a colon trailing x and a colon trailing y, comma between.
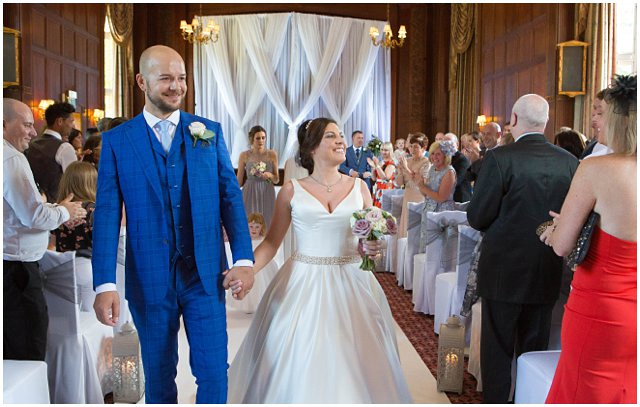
x: 339, y: 260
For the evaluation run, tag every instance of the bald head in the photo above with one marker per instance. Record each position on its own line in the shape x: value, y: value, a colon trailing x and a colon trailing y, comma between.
x: 156, y: 54
x: 491, y: 134
x: 17, y: 124
x: 530, y: 113
x: 163, y: 79
x: 451, y: 137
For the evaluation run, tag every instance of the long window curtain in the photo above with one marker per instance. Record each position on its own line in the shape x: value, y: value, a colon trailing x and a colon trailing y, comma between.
x: 599, y: 33
x: 463, y: 87
x: 120, y: 17
x: 277, y: 70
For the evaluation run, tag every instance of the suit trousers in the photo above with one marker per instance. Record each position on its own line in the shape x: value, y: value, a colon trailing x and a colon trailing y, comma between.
x: 509, y: 329
x: 24, y: 314
x: 206, y: 328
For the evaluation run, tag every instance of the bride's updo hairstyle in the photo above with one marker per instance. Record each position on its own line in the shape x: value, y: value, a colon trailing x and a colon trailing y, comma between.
x: 302, y: 132
x: 311, y: 140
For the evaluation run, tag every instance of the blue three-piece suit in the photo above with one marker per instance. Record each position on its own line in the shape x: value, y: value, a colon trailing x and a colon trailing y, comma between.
x: 175, y: 203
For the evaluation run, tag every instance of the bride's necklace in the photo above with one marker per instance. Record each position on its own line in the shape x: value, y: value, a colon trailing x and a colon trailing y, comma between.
x: 326, y: 185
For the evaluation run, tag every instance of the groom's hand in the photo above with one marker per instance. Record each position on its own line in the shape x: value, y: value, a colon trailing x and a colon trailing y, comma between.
x: 107, y: 307
x: 239, y: 280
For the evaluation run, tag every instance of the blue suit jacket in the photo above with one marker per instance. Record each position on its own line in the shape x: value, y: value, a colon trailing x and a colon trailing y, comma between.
x: 360, y: 166
x: 128, y: 173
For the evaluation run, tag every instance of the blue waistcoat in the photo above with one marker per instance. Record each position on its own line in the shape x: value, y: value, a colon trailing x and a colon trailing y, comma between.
x: 172, y: 171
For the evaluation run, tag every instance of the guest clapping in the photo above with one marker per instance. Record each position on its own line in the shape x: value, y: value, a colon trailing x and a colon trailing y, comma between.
x: 382, y: 172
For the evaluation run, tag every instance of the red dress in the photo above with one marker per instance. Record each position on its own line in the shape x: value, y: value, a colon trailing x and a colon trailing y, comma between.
x: 381, y: 185
x: 599, y: 334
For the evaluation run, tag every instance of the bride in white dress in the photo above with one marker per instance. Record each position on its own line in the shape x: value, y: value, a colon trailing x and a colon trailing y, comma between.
x: 323, y: 332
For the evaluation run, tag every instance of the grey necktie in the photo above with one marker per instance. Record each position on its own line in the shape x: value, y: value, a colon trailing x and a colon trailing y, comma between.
x: 357, y: 153
x: 162, y: 127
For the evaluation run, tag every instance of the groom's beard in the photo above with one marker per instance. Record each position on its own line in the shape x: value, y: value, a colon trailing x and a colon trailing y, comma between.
x: 163, y: 106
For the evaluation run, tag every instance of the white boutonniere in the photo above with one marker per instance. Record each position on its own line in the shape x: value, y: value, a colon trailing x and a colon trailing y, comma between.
x: 200, y: 132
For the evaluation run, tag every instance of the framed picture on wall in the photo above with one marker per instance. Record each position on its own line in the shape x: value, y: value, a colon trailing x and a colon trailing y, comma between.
x: 572, y: 68
x: 10, y: 57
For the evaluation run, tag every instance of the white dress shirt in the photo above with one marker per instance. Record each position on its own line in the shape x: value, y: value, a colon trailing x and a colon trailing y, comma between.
x: 66, y: 154
x: 599, y: 150
x: 152, y: 120
x: 27, y: 220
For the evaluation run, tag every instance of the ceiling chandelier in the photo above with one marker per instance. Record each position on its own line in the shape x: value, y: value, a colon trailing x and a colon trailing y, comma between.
x: 387, y: 41
x: 200, y: 31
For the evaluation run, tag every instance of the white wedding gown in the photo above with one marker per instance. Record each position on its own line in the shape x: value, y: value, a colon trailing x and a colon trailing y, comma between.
x: 323, y: 332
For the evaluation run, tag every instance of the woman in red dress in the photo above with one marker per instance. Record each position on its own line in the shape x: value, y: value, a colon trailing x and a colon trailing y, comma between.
x: 598, y: 361
x: 383, y: 173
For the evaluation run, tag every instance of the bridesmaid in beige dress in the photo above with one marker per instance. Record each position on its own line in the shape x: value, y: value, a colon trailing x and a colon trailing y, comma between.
x: 407, y: 168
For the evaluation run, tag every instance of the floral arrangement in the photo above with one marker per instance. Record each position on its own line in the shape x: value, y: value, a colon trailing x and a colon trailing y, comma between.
x: 258, y: 169
x: 374, y: 145
x: 448, y: 148
x: 200, y: 132
x: 371, y: 224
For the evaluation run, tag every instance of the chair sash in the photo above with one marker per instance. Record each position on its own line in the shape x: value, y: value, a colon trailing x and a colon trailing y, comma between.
x: 58, y: 275
x: 444, y: 225
x: 467, y: 240
x: 386, y: 198
x: 461, y: 206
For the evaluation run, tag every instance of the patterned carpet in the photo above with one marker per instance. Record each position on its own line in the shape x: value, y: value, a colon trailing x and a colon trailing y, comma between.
x: 419, y: 329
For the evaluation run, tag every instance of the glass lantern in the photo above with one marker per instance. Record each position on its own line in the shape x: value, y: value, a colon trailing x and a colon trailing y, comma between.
x: 128, y: 376
x: 451, y: 355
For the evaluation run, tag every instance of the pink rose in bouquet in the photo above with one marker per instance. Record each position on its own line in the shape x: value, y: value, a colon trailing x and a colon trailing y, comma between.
x: 371, y: 224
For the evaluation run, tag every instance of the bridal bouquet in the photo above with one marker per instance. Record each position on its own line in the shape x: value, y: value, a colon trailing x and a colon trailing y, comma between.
x: 374, y: 145
x: 371, y: 224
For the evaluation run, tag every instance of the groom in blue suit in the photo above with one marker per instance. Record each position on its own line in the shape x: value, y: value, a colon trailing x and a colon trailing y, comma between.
x: 178, y: 187
x: 355, y: 164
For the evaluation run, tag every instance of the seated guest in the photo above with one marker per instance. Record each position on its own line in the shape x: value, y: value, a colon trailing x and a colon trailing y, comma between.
x: 439, y: 184
x: 92, y: 149
x: 80, y: 179
x: 571, y: 141
x: 77, y: 142
x: 598, y: 362
x: 461, y: 164
x: 470, y: 143
x: 383, y: 173
x: 409, y: 172
x: 491, y: 135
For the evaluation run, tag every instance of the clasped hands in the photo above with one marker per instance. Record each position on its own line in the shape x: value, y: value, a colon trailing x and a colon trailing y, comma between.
x: 239, y: 280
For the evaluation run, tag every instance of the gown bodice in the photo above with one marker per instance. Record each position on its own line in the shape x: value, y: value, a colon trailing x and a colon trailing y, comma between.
x: 320, y: 233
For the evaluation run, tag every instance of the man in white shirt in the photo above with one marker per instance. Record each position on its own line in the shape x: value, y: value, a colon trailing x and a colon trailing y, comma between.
x: 49, y: 155
x: 27, y: 221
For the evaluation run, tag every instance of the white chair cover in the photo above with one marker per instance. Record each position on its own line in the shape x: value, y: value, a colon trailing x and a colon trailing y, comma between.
x: 24, y: 382
x: 440, y: 256
x: 84, y: 282
x: 390, y: 247
x: 474, y: 346
x: 125, y: 313
x: 450, y: 286
x: 413, y: 242
x: 396, y: 211
x: 78, y: 346
x: 401, y: 252
x: 535, y: 374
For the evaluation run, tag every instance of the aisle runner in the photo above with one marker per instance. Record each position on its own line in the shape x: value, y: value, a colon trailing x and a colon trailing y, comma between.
x: 421, y: 382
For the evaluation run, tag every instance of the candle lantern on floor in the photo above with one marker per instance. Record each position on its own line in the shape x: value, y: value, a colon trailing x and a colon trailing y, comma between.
x: 127, y: 366
x: 451, y: 355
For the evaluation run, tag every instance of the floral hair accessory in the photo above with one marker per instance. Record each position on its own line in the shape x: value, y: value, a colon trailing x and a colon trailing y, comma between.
x: 623, y: 94
x: 308, y: 124
x: 448, y: 147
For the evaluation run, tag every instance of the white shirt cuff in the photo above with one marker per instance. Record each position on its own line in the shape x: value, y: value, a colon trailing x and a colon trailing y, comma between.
x: 103, y: 288
x: 243, y: 263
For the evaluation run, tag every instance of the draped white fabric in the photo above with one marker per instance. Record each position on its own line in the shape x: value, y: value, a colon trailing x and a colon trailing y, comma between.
x: 277, y: 70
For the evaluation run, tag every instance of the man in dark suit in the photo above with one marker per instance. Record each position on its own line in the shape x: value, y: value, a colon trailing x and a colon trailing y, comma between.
x: 491, y: 135
x: 356, y: 164
x: 461, y: 164
x: 516, y: 187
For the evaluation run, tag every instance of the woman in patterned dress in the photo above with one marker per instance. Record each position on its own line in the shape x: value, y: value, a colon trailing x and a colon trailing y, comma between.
x: 382, y: 174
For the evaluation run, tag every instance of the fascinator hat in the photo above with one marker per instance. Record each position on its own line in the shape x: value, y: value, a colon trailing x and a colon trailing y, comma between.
x: 448, y: 148
x: 623, y: 94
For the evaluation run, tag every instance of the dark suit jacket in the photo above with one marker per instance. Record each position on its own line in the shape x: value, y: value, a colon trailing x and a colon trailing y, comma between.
x: 358, y: 165
x: 517, y: 186
x: 461, y: 164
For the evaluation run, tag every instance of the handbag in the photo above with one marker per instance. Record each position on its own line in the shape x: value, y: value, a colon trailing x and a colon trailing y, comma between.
x: 579, y: 252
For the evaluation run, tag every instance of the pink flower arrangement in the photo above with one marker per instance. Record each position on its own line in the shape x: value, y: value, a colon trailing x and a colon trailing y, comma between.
x: 371, y: 224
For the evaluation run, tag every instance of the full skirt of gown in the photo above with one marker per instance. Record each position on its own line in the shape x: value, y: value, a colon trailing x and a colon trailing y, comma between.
x: 323, y: 332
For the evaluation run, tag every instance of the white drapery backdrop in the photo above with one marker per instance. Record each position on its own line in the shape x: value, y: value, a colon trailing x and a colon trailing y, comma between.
x: 278, y: 70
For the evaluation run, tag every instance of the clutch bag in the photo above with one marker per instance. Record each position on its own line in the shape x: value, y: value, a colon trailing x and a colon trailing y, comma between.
x: 579, y: 252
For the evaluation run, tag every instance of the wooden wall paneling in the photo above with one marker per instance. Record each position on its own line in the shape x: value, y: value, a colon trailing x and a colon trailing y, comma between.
x: 37, y: 25
x: 80, y: 17
x: 511, y: 91
x: 81, y: 88
x: 67, y: 11
x: 487, y: 98
x: 499, y: 96
x: 53, y: 36
x: 524, y: 84
x: 81, y: 51
x: 68, y: 43
x: 38, y: 71
x: 93, y: 97
x: 53, y: 76
x: 68, y: 76
x: 437, y: 88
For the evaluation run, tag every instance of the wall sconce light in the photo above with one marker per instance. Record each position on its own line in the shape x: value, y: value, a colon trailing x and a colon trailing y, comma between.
x: 481, y: 120
x: 43, y: 105
x: 97, y: 115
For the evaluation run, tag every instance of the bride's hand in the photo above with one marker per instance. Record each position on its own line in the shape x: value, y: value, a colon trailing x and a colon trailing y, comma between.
x: 372, y: 247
